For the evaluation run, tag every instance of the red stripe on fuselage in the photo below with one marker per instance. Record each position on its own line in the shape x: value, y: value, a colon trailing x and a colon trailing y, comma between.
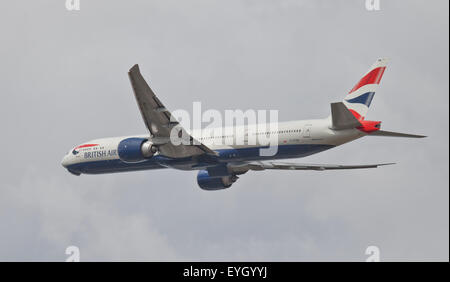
x: 373, y: 77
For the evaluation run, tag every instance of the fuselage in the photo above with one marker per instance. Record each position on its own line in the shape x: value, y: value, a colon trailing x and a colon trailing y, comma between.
x: 294, y: 139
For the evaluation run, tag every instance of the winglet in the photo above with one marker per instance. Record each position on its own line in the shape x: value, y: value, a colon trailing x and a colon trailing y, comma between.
x: 134, y: 68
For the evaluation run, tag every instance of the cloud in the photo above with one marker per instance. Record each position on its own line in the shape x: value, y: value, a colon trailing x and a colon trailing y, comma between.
x: 50, y: 215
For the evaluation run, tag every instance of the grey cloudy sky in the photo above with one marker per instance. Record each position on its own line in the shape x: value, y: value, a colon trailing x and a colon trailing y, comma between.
x: 63, y: 81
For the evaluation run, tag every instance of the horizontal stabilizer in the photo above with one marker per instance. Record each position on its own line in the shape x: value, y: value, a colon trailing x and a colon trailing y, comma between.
x: 394, y: 134
x: 342, y: 118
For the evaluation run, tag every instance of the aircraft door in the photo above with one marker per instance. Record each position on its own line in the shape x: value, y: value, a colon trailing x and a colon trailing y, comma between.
x: 307, y: 131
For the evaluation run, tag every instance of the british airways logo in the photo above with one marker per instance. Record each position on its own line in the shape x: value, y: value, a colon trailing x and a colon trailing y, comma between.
x: 76, y: 150
x: 100, y: 154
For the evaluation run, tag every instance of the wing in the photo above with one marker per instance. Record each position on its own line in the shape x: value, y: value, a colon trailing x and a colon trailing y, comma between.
x: 242, y: 168
x: 160, y: 122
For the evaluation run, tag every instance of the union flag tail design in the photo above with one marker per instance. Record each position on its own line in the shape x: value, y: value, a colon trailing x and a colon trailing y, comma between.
x: 359, y: 98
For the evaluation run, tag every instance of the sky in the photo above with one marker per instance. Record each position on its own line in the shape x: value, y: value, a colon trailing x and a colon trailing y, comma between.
x: 64, y: 81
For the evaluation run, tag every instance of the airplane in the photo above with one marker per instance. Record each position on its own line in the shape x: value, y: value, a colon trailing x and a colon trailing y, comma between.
x: 220, y: 165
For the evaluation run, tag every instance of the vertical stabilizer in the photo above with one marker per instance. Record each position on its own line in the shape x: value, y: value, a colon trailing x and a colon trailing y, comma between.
x: 359, y: 98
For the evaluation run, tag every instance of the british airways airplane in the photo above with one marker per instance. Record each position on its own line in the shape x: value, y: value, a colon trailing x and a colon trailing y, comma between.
x: 220, y: 163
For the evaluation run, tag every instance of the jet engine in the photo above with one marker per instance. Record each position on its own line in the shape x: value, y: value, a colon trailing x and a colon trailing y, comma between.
x: 210, y: 183
x: 133, y: 150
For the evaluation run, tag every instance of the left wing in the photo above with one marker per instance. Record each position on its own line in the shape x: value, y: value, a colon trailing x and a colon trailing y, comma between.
x: 242, y: 168
x: 160, y: 122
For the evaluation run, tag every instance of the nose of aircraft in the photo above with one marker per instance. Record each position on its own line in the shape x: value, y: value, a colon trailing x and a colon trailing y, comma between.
x: 65, y: 161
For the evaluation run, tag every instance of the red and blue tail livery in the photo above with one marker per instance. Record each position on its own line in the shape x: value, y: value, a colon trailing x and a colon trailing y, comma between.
x: 360, y: 97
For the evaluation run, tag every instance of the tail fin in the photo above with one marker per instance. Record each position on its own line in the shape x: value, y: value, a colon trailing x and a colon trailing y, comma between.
x: 359, y: 98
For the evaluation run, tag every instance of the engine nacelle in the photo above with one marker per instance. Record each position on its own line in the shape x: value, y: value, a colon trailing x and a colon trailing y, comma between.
x: 206, y: 182
x: 134, y: 150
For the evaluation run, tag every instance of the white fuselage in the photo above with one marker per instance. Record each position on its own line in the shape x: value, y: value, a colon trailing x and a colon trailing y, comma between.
x: 294, y: 139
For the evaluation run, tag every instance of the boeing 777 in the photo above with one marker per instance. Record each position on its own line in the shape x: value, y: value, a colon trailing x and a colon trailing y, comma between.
x: 219, y: 163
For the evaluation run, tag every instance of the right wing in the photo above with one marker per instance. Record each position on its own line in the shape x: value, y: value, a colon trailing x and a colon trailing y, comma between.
x: 160, y: 122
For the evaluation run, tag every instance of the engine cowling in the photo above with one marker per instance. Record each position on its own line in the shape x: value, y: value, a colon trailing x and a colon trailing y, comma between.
x: 207, y: 182
x: 133, y: 150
